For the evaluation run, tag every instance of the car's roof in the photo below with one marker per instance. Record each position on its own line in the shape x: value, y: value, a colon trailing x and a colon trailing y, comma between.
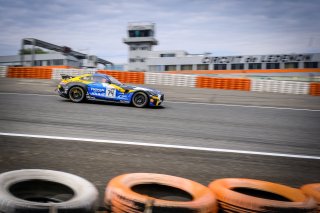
x: 100, y: 75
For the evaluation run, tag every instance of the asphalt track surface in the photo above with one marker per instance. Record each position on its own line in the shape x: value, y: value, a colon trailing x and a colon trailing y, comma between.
x: 201, y: 142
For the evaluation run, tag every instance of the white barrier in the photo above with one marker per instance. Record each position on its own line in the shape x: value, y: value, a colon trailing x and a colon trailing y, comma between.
x: 56, y: 72
x: 170, y: 79
x: 290, y: 87
x: 3, y: 71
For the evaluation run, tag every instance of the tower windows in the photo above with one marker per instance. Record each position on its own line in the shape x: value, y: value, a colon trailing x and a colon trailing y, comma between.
x: 140, y: 33
x: 167, y: 55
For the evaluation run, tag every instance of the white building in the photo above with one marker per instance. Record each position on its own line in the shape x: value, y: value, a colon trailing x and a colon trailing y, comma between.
x: 141, y: 39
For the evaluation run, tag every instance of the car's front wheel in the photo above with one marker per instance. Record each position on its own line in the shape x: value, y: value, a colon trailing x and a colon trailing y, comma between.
x: 77, y: 94
x: 140, y: 99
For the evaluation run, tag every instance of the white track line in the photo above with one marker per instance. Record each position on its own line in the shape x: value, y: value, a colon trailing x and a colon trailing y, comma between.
x: 29, y: 94
x: 191, y: 103
x: 163, y: 146
x: 246, y: 106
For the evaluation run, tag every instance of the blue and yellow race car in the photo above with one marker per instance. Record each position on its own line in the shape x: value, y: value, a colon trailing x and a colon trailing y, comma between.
x: 106, y: 88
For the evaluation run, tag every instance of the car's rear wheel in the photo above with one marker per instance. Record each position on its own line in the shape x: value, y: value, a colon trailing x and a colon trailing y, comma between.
x: 77, y: 94
x: 140, y: 99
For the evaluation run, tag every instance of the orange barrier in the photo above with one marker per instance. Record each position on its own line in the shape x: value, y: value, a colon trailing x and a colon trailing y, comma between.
x: 121, y: 194
x: 126, y: 77
x: 29, y: 72
x: 313, y: 190
x: 243, y: 71
x: 248, y: 195
x: 224, y: 83
x: 314, y: 89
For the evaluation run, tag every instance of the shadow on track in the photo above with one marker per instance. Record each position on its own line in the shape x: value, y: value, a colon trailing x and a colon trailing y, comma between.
x: 113, y: 104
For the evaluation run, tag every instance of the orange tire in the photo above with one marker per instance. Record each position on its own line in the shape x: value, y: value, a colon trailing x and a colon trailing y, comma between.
x: 247, y: 195
x: 120, y: 195
x: 313, y: 190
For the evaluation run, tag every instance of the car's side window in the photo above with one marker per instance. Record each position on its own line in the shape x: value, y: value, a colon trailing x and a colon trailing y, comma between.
x: 87, y: 78
x: 99, y: 79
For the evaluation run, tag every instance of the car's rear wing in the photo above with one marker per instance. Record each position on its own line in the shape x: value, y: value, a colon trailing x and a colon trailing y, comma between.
x: 66, y: 77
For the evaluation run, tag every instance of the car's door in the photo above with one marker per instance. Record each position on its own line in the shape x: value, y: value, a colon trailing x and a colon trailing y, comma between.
x: 101, y: 90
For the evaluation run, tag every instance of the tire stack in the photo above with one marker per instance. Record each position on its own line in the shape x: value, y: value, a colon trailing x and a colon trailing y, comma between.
x: 47, y: 191
x: 236, y: 195
x: 121, y: 196
x: 44, y: 191
x: 313, y: 190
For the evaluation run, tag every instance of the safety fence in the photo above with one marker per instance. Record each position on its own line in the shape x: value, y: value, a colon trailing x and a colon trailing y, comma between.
x: 223, y: 83
x: 29, y: 72
x: 40, y: 72
x: 126, y: 77
x: 288, y: 87
x: 3, y: 71
x: 151, y: 192
x: 181, y: 80
x: 171, y: 80
x: 315, y: 89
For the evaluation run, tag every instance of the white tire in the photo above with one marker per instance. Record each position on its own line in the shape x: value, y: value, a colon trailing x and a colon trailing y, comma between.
x: 37, y: 190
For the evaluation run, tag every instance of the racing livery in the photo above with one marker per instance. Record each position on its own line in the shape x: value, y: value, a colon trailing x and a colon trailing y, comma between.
x: 106, y: 88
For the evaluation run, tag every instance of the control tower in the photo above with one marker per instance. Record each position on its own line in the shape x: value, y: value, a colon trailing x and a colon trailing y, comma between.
x: 140, y: 41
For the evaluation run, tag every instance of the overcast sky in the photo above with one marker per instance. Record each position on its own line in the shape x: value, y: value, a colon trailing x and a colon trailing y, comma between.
x: 222, y: 27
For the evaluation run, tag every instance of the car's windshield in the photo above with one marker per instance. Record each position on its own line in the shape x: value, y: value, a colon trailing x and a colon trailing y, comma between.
x: 114, y: 80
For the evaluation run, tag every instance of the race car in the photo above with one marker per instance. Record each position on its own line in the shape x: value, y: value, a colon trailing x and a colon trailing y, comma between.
x: 106, y: 88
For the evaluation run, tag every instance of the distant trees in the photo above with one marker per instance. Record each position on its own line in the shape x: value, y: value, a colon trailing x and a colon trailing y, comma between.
x: 28, y: 51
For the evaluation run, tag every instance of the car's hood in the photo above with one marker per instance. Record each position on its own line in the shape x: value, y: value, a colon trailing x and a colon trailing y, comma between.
x: 130, y: 87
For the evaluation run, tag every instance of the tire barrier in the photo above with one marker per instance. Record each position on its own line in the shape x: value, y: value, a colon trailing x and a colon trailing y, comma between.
x: 223, y: 83
x: 37, y: 190
x: 126, y: 77
x: 314, y: 89
x: 170, y: 79
x: 312, y: 190
x: 289, y: 87
x: 247, y: 195
x: 147, y: 192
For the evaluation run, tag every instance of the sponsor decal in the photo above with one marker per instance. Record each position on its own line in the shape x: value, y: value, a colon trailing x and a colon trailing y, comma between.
x: 98, y: 90
x: 97, y: 94
x: 122, y: 97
